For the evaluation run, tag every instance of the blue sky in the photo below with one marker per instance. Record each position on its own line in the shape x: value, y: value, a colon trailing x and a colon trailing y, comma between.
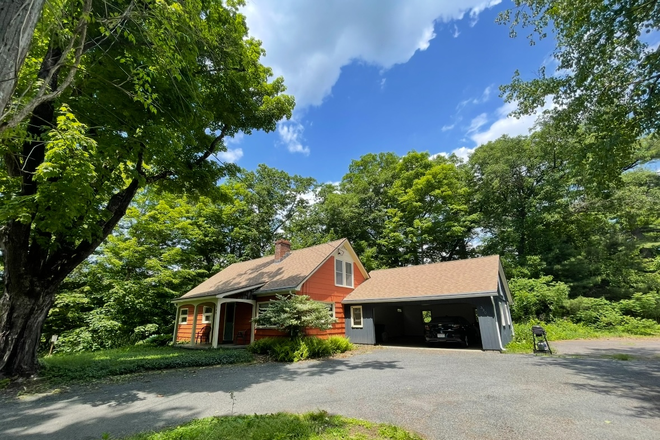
x: 379, y: 75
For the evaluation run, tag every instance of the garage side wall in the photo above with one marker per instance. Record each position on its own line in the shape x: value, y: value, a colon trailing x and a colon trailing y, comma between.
x: 488, y: 324
x: 366, y: 334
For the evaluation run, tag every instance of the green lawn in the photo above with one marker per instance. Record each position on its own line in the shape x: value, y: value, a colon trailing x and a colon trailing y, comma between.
x: 133, y: 359
x: 311, y: 426
x: 558, y: 331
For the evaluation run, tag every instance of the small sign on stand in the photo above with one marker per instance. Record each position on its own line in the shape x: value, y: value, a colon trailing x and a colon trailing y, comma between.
x: 53, y: 340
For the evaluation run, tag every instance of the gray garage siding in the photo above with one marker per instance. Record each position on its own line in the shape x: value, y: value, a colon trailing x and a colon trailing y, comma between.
x: 366, y: 334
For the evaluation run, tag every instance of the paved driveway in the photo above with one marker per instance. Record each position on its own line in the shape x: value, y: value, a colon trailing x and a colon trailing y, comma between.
x: 643, y: 348
x: 440, y: 394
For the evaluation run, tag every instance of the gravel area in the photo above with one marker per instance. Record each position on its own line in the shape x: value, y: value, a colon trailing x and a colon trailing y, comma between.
x: 441, y: 394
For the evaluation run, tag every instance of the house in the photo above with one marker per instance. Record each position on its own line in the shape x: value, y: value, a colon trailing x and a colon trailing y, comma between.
x: 369, y: 307
x: 220, y: 310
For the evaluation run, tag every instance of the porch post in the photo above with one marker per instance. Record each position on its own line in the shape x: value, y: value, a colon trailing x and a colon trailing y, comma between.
x: 216, y: 322
x: 254, y: 315
x: 194, y: 327
x: 176, y: 323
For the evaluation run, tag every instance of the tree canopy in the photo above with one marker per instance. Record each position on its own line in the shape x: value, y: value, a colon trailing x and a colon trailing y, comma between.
x: 115, y: 96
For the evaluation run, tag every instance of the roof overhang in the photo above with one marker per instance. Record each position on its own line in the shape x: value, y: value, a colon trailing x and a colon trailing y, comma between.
x: 208, y: 295
x: 421, y: 298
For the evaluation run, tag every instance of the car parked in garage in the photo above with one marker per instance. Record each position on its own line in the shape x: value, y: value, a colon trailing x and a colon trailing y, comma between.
x: 449, y: 329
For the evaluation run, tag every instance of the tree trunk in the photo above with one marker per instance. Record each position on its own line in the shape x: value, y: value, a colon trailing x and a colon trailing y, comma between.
x: 24, y: 309
x: 17, y: 21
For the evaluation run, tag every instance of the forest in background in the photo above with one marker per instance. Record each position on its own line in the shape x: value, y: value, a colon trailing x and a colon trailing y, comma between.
x: 570, y: 250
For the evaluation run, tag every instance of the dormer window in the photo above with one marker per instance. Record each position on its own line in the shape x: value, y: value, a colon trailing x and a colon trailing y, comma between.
x: 343, y: 273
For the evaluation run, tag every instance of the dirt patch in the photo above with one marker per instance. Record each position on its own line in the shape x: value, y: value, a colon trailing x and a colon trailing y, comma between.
x: 615, y: 348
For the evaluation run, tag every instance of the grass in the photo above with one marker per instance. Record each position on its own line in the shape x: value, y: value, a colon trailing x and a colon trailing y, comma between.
x: 557, y: 331
x: 311, y: 426
x: 133, y: 359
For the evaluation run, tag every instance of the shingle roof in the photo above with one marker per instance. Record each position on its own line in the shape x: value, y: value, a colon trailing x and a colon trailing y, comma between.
x: 265, y: 273
x: 475, y: 275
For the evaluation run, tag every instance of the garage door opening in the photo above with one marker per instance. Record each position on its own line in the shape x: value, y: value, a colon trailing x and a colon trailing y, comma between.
x: 405, y: 324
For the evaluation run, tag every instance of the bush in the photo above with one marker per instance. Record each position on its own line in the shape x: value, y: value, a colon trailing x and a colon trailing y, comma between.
x: 156, y: 340
x: 597, y: 312
x: 287, y: 350
x: 539, y: 298
x: 641, y: 305
x: 293, y: 314
x: 134, y: 359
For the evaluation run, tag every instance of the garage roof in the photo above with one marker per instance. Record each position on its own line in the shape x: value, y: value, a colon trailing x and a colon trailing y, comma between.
x: 471, y: 277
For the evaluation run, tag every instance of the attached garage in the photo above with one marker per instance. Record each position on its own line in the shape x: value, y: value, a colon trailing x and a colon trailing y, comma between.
x: 397, y: 303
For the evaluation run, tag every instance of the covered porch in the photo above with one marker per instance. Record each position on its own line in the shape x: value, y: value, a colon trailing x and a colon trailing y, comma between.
x: 212, y: 322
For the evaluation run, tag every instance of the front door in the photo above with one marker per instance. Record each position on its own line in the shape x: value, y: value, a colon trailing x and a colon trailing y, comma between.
x: 228, y: 334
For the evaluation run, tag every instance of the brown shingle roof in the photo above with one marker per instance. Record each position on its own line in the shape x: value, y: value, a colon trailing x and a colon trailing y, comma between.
x: 476, y: 275
x: 265, y: 273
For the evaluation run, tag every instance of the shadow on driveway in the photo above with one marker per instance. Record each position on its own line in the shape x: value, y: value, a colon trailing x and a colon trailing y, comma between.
x: 118, y: 405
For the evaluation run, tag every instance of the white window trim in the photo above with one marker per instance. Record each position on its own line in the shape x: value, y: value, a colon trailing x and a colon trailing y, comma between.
x: 343, y: 273
x: 207, y: 317
x: 353, y: 325
x: 182, y: 315
x: 332, y: 308
x: 262, y: 327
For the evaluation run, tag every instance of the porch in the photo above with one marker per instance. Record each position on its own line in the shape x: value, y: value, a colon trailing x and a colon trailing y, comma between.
x: 213, y: 322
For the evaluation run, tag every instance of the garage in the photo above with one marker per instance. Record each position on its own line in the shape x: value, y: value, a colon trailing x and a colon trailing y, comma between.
x: 399, y: 306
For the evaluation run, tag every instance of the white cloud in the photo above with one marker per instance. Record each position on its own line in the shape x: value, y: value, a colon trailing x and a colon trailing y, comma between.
x: 308, y: 41
x: 291, y: 134
x: 382, y: 83
x: 477, y: 123
x: 485, y: 96
x: 232, y: 155
x: 455, y: 33
x: 448, y: 127
x: 463, y: 153
x: 509, y: 125
x: 236, y: 139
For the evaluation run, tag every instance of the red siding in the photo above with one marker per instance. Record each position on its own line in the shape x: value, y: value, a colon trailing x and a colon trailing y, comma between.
x: 321, y: 287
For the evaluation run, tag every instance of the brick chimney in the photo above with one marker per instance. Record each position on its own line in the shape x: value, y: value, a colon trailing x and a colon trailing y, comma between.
x: 282, y: 248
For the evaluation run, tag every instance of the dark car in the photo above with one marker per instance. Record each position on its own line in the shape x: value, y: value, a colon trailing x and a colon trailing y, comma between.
x: 449, y: 329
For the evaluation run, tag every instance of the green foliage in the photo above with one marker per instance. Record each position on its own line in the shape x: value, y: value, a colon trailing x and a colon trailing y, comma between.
x: 106, y: 363
x: 565, y: 329
x: 538, y: 299
x: 604, y: 84
x: 294, y: 350
x: 293, y: 314
x: 312, y: 426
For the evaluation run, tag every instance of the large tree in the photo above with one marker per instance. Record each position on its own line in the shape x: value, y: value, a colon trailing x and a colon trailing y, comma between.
x: 605, y: 82
x: 155, y: 88
x: 17, y: 21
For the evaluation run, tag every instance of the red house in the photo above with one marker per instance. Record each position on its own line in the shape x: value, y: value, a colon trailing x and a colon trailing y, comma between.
x: 220, y: 310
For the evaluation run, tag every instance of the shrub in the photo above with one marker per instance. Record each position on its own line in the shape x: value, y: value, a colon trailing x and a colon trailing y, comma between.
x: 641, y: 305
x: 287, y: 350
x: 294, y: 313
x: 156, y: 340
x: 537, y: 298
x: 597, y: 312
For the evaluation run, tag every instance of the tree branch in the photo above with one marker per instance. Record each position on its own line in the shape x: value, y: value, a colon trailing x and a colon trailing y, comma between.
x: 42, y: 96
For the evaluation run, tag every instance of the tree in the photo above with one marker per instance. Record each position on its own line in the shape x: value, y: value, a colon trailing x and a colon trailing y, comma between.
x: 18, y: 19
x: 160, y: 85
x: 293, y: 314
x: 605, y: 86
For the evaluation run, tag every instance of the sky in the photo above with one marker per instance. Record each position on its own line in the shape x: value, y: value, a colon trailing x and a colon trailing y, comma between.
x: 374, y: 76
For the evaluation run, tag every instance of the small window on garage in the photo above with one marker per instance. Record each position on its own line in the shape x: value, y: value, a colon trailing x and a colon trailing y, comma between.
x: 356, y: 317
x: 207, y: 314
x: 426, y: 316
x: 183, y: 316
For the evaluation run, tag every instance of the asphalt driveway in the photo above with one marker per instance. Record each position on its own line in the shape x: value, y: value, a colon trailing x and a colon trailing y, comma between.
x: 438, y: 393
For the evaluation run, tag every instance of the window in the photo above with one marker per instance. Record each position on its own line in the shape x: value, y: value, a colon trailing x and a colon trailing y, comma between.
x: 356, y: 316
x: 207, y: 314
x: 183, y: 316
x: 343, y: 273
x: 331, y: 309
x: 261, y: 307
